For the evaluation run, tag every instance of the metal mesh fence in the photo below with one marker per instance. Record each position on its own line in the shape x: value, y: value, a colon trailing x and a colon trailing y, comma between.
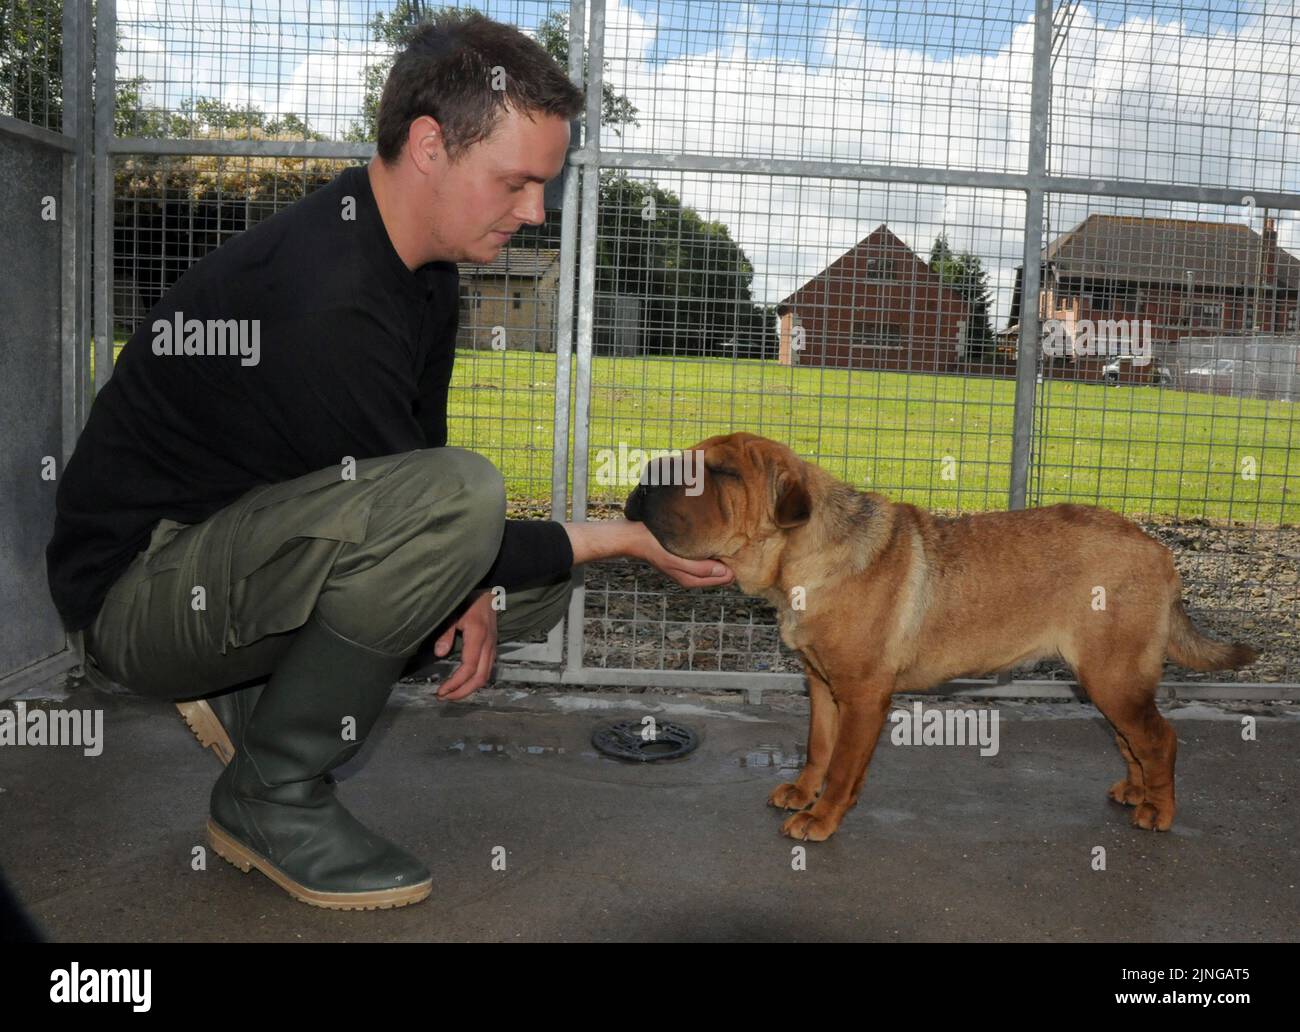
x: 882, y: 83
x: 898, y: 307
x: 838, y: 227
x: 169, y: 211
x: 857, y: 346
x: 1177, y: 92
x: 1143, y: 297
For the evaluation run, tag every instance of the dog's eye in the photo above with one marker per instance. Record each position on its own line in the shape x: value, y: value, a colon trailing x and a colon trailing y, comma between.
x: 722, y: 471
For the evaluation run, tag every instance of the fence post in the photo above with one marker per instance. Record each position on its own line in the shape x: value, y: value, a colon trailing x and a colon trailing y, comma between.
x: 77, y: 204
x: 1027, y: 350
x: 586, y: 295
x: 105, y: 89
x: 560, y: 463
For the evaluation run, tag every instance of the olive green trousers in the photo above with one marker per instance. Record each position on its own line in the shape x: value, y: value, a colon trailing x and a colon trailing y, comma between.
x: 385, y: 552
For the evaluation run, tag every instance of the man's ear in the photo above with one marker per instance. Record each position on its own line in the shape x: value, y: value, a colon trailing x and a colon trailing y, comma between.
x: 793, y: 506
x: 425, y: 142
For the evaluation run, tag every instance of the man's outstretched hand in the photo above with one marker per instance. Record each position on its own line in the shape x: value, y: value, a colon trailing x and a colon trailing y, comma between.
x: 606, y: 539
x: 689, y: 573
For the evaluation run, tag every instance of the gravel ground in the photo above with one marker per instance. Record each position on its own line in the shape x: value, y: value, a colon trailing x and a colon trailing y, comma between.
x: 1240, y: 583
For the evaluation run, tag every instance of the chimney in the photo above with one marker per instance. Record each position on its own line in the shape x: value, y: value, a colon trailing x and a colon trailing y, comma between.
x: 1270, y: 251
x: 1268, y: 275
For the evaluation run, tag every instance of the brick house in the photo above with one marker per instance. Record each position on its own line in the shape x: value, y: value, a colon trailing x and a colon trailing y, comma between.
x: 1185, y: 278
x: 879, y: 306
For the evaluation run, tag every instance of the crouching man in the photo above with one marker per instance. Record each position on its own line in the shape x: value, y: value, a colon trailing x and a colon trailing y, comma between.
x: 289, y: 521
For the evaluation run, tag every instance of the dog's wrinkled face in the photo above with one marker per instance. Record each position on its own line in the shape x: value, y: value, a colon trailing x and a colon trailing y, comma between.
x: 732, y: 498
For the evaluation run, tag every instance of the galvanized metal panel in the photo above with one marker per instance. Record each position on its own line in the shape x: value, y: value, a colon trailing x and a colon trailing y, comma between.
x: 31, y: 397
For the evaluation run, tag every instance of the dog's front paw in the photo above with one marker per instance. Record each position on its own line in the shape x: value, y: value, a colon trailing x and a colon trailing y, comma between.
x: 809, y: 826
x: 1149, y: 816
x: 1127, y: 793
x: 789, y: 797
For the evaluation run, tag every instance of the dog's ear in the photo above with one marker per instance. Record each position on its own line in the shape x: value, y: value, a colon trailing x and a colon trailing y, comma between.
x: 793, y: 505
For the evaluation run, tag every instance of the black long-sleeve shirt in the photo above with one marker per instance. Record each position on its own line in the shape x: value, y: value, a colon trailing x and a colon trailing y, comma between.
x: 354, y: 357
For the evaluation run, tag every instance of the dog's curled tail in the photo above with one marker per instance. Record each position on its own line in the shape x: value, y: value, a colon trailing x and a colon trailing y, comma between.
x: 1189, y: 648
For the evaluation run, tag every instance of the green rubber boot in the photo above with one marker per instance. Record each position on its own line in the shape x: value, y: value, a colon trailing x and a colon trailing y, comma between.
x: 218, y: 721
x: 272, y: 807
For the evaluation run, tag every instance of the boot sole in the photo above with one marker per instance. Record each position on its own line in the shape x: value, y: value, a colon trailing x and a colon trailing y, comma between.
x: 207, y: 728
x: 235, y: 852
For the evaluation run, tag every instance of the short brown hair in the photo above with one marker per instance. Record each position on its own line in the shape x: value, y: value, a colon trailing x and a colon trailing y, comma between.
x: 446, y: 70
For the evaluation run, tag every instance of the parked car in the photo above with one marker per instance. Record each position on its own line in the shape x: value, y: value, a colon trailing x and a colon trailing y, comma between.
x: 1216, y: 376
x: 1216, y: 367
x: 1164, y: 376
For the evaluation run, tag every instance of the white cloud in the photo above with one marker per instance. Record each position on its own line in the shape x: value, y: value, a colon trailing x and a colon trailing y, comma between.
x: 627, y: 31
x: 304, y: 57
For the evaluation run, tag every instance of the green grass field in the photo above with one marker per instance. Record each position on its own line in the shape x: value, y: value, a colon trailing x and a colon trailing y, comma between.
x: 943, y: 442
x: 1140, y: 450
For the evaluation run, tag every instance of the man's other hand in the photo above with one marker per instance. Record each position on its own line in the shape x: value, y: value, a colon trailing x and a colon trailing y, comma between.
x: 478, y: 649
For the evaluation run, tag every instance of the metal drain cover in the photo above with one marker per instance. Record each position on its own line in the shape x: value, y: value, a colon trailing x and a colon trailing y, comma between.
x: 626, y: 740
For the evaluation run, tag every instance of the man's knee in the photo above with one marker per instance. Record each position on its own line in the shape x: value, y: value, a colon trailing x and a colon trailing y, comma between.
x: 432, y: 531
x: 477, y: 519
x: 483, y: 485
x: 461, y: 492
x: 472, y: 477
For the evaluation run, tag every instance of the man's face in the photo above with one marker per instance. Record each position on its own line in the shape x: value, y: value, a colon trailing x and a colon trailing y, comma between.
x: 496, y: 186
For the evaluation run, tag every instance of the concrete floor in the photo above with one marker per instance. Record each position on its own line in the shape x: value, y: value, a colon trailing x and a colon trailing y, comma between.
x: 944, y: 844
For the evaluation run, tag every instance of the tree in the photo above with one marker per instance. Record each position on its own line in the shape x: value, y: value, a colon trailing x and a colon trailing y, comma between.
x: 965, y: 274
x: 693, y: 280
x: 31, y: 62
x: 616, y: 110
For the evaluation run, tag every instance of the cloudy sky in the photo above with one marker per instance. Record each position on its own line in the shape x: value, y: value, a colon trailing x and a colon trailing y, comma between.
x: 1164, y: 91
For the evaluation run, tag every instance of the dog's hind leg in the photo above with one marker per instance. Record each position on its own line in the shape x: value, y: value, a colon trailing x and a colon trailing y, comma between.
x: 861, y: 719
x: 822, y: 726
x: 1149, y: 745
